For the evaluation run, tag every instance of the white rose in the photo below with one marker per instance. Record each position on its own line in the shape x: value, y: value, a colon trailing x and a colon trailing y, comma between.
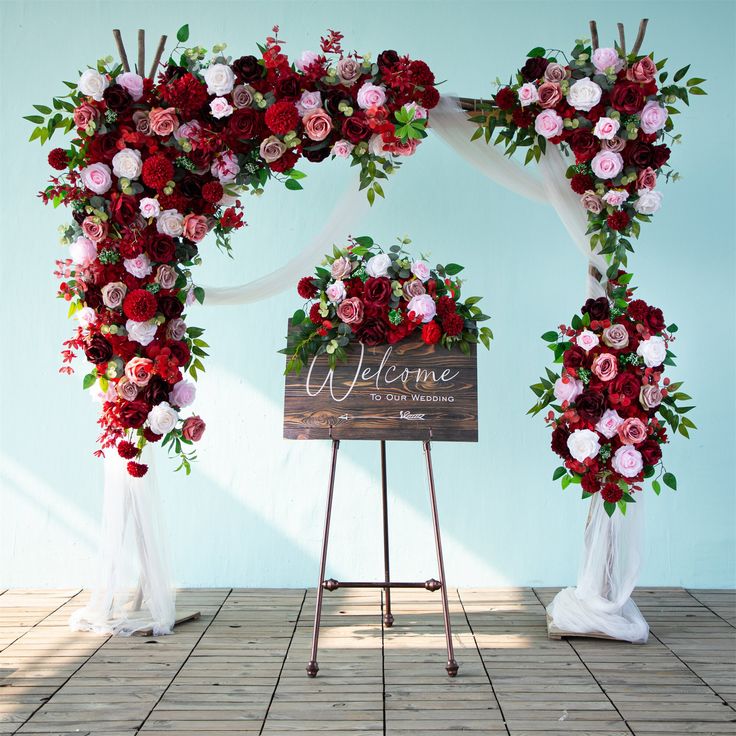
x: 220, y: 79
x: 587, y: 340
x: 336, y: 292
x: 149, y: 207
x: 649, y: 201
x: 132, y: 83
x: 309, y: 101
x: 162, y: 418
x: 584, y: 94
x: 127, y: 164
x: 93, y: 84
x: 378, y: 265
x: 583, y: 444
x: 653, y: 350
x: 142, y: 332
x: 170, y: 222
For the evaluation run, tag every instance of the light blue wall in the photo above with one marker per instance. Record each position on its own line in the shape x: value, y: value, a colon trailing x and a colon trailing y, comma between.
x: 251, y: 512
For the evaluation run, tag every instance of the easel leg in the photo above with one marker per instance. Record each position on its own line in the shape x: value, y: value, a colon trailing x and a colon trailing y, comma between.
x: 452, y: 665
x: 388, y: 618
x: 312, y: 667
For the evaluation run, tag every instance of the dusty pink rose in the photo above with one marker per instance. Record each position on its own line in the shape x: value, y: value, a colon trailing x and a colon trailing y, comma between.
x: 615, y: 144
x: 317, y: 124
x: 243, y: 96
x: 85, y: 114
x: 350, y: 311
x: 272, y: 149
x: 632, y: 431
x: 548, y: 124
x: 568, y: 389
x: 616, y: 337
x: 615, y: 197
x: 193, y: 428
x: 132, y: 83
x: 94, y: 228
x: 141, y: 122
x: 126, y: 389
x: 653, y: 117
x: 605, y: 366
x: 407, y: 148
x: 607, y: 164
x: 348, y: 71
x: 642, y: 71
x: 96, y: 177
x: 646, y: 179
x: 555, y: 72
x: 650, y: 397
x: 413, y: 288
x: 113, y: 294
x: 166, y: 276
x: 139, y: 370
x: 627, y: 461
x: 163, y: 120
x: 592, y: 202
x: 587, y: 340
x: 341, y: 267
x: 308, y: 102
x: 606, y: 128
x: 176, y: 329
x: 195, y: 227
x: 549, y: 94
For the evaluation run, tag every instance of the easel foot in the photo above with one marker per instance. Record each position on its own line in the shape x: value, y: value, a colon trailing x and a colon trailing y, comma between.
x: 388, y: 620
x: 452, y: 667
x: 313, y: 669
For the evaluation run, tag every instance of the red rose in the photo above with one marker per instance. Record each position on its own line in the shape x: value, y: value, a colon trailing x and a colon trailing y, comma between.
x: 453, y: 324
x: 574, y: 357
x: 99, y: 350
x: 179, y: 351
x: 505, y: 98
x: 431, y: 333
x: 139, y: 305
x: 651, y: 452
x: 102, y: 148
x: 584, y: 145
x: 306, y: 288
x: 282, y: 117
x: 660, y: 155
x: 627, y: 385
x: 396, y: 333
x: 244, y: 123
x: 612, y: 493
x: 133, y: 413
x: 590, y: 482
x: 372, y: 332
x: 377, y: 291
x: 124, y: 208
x: 598, y: 309
x: 590, y: 405
x: 627, y: 97
x: 618, y: 220
x: 161, y: 248
x: 117, y: 98
x: 560, y: 435
x: 638, y: 310
x: 655, y: 319
x: 355, y: 128
x: 581, y: 183
x: 637, y: 153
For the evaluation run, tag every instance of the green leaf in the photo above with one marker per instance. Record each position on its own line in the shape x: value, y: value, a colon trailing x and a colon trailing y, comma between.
x: 199, y: 294
x: 298, y: 317
x: 536, y: 52
x: 670, y: 480
x: 697, y: 91
x: 609, y: 507
x: 559, y: 472
x: 680, y: 73
x: 182, y: 34
x: 293, y: 184
x: 452, y: 269
x: 656, y: 487
x: 43, y: 109
x: 550, y: 336
x: 35, y: 119
x: 89, y: 380
x: 365, y: 241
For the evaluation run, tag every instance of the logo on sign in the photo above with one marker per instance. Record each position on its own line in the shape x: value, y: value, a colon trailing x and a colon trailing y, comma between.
x: 411, y: 417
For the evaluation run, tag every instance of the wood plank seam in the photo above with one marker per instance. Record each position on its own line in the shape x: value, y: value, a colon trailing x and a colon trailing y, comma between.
x: 705, y: 605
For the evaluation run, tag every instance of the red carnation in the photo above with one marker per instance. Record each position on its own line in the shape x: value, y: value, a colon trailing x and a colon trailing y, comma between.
x: 638, y: 310
x: 212, y: 192
x: 282, y: 117
x: 618, y: 220
x: 127, y: 450
x: 445, y: 305
x: 306, y: 288
x: 581, y: 183
x: 590, y: 482
x: 150, y: 435
x: 505, y: 98
x: 429, y: 97
x: 139, y: 305
x: 286, y: 161
x: 612, y: 493
x: 522, y: 118
x: 137, y: 470
x: 422, y: 73
x: 655, y: 319
x: 157, y: 172
x: 187, y: 94
x: 314, y: 316
x: 431, y: 333
x: 453, y: 324
x: 58, y: 159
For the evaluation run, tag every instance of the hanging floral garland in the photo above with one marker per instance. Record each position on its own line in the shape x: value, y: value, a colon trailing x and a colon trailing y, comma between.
x: 154, y: 165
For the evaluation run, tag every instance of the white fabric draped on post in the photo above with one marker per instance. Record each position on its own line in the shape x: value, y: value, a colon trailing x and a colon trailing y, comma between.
x: 601, y: 602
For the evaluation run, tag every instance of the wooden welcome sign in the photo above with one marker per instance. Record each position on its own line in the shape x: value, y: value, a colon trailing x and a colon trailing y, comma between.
x: 407, y: 391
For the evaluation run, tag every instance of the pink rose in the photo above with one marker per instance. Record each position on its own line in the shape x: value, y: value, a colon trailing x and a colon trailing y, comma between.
x: 587, y: 340
x: 371, y: 95
x: 527, y: 94
x: 341, y: 267
x: 420, y: 269
x: 653, y: 117
x: 423, y: 307
x: 220, y: 108
x: 413, y: 288
x: 627, y: 461
x: 650, y: 397
x: 548, y: 124
x: 607, y: 58
x: 193, y: 428
x: 308, y: 102
x: 85, y: 114
x: 607, y: 164
x: 606, y: 128
x: 97, y: 177
x: 163, y: 120
x: 132, y: 83
x: 407, y: 148
x: 615, y: 197
x: 642, y: 71
x: 609, y: 423
x: 83, y: 251
x: 166, y: 276
x: 149, y: 207
x: 632, y: 431
x: 126, y: 389
x: 183, y: 394
x: 195, y: 227
x: 549, y: 94
x: 616, y: 144
x: 342, y: 148
x: 336, y: 292
x: 646, y: 179
x: 592, y: 202
x: 94, y: 228
x: 306, y: 59
x: 139, y: 370
x: 616, y: 337
x: 568, y: 389
x: 140, y: 266
x: 605, y: 366
x: 317, y: 124
x: 350, y: 311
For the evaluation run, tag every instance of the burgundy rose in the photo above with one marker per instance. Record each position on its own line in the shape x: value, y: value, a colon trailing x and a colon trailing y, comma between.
x: 161, y: 248
x: 247, y: 68
x: 650, y: 451
x: 244, y: 123
x: 627, y: 385
x: 117, y: 98
x: 355, y: 128
x: 124, y: 208
x: 590, y: 482
x: 559, y: 441
x: 332, y: 100
x: 598, y: 309
x: 179, y: 351
x: 156, y: 391
x: 377, y: 291
x: 584, y: 145
x: 655, y: 319
x: 93, y: 297
x: 638, y: 153
x: 190, y: 186
x: 505, y: 98
x: 99, y: 350
x: 627, y: 97
x: 660, y: 155
x: 134, y: 413
x: 574, y: 357
x: 387, y: 58
x: 372, y: 332
x: 170, y: 306
x: 534, y: 68
x: 590, y: 405
x: 287, y: 88
x: 102, y: 148
x: 581, y: 183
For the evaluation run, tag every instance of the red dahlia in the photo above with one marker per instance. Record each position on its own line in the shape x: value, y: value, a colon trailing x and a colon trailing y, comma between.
x: 612, y: 493
x: 139, y: 305
x: 137, y: 470
x: 581, y: 183
x: 58, y: 159
x: 282, y: 117
x: 212, y: 192
x: 618, y: 220
x: 157, y: 172
x: 453, y: 324
x: 127, y: 450
x: 306, y: 288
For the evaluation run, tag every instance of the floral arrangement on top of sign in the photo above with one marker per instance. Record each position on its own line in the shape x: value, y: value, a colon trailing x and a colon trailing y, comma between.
x: 153, y: 166
x: 614, y: 112
x: 611, y: 403
x: 363, y: 293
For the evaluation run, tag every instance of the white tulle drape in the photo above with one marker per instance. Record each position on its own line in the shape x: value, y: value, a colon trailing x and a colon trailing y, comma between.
x: 601, y: 602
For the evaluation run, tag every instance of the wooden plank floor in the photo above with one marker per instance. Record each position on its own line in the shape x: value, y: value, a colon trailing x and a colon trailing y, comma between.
x: 240, y: 668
